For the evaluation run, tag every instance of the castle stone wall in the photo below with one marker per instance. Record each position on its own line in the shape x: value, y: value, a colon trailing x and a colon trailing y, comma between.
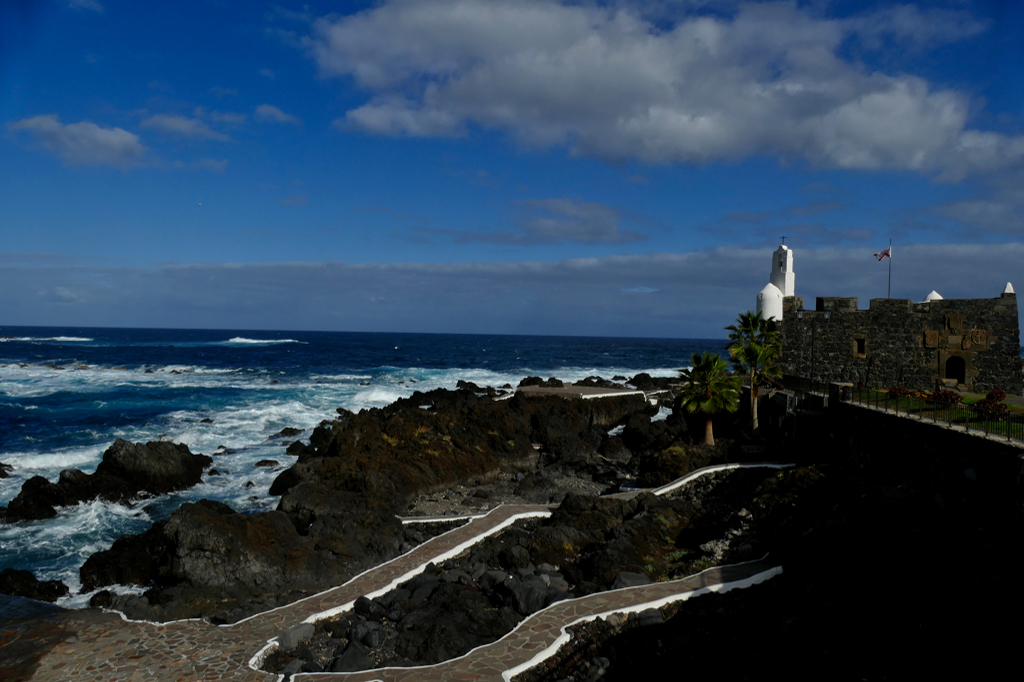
x: 974, y: 343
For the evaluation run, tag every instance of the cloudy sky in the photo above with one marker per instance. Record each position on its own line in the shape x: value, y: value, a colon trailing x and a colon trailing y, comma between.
x: 620, y: 168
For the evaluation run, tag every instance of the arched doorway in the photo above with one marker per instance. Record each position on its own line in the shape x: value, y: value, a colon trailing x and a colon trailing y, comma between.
x: 956, y: 368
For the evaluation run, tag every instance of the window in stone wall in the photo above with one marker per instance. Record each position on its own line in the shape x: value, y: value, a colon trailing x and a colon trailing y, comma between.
x: 860, y: 345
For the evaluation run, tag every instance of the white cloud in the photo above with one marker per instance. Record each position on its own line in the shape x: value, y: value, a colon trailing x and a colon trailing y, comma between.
x: 984, y: 215
x: 59, y: 295
x: 268, y: 112
x: 576, y: 221
x: 268, y: 73
x: 913, y: 26
x: 698, y: 293
x: 83, y: 143
x: 183, y: 127
x: 758, y: 79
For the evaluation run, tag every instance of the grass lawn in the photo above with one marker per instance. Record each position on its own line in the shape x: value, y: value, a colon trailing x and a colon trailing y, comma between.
x: 955, y: 414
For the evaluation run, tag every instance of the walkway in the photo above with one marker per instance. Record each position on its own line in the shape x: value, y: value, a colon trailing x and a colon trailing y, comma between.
x: 954, y: 417
x: 44, y: 643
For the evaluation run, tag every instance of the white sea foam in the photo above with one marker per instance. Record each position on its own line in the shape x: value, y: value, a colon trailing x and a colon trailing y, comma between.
x: 243, y: 340
x: 74, y: 600
x: 377, y: 397
x: 57, y: 547
x: 39, y: 382
x: 241, y: 426
x: 43, y: 463
x: 36, y: 339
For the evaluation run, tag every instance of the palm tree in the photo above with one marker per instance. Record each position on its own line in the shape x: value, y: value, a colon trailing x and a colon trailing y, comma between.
x: 755, y: 349
x: 711, y: 389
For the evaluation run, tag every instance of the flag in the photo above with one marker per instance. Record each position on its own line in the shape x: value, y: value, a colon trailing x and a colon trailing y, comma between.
x: 885, y: 254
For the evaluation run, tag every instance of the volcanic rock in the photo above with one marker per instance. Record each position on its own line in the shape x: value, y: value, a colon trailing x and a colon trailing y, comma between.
x: 207, y: 546
x: 339, y: 501
x: 597, y: 382
x: 537, y: 381
x: 128, y: 471
x: 356, y: 657
x: 19, y: 583
x: 627, y: 579
x: 645, y: 382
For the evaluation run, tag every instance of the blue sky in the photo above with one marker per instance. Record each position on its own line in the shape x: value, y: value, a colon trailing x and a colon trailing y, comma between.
x: 612, y: 168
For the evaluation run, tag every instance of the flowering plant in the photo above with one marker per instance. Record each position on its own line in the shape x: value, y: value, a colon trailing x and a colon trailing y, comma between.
x: 993, y: 409
x: 946, y: 397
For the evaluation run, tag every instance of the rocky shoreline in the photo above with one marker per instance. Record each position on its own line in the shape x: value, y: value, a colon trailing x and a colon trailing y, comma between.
x: 915, y: 519
x: 432, y: 453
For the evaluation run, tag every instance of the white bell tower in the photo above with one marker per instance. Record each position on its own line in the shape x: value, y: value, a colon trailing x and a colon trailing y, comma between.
x: 781, y: 284
x: 782, y: 270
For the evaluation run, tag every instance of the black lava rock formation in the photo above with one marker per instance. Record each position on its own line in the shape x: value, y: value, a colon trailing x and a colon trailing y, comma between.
x: 128, y: 472
x: 20, y: 583
x: 339, y: 501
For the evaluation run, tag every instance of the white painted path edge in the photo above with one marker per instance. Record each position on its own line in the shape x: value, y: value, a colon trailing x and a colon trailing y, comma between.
x: 272, y: 644
x: 564, y: 636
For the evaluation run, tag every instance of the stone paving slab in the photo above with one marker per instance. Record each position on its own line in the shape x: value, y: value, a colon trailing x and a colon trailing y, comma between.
x: 45, y: 643
x: 581, y: 392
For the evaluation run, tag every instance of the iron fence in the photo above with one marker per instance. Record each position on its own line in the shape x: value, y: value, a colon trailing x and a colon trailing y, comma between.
x: 970, y: 417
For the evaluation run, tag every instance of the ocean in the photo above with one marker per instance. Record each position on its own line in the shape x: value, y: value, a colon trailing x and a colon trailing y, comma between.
x: 67, y: 394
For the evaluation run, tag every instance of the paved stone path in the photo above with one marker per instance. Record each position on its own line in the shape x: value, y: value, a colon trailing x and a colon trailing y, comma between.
x: 541, y: 634
x: 45, y: 643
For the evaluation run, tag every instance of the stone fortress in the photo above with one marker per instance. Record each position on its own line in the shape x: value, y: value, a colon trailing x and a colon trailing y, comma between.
x: 961, y: 344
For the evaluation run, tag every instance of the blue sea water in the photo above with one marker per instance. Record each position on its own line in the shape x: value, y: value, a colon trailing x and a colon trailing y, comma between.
x: 67, y: 394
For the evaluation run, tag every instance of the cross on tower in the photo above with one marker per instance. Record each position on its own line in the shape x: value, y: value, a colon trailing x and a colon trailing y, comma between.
x: 783, y: 240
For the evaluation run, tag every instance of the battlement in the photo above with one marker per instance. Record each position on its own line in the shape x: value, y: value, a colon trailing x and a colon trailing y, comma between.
x: 836, y: 304
x: 971, y: 344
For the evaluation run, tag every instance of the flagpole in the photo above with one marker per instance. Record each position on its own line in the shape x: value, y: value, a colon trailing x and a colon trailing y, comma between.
x: 888, y: 293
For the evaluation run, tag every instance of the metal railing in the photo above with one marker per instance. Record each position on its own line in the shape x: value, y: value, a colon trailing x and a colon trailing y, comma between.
x: 805, y: 385
x: 972, y: 418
